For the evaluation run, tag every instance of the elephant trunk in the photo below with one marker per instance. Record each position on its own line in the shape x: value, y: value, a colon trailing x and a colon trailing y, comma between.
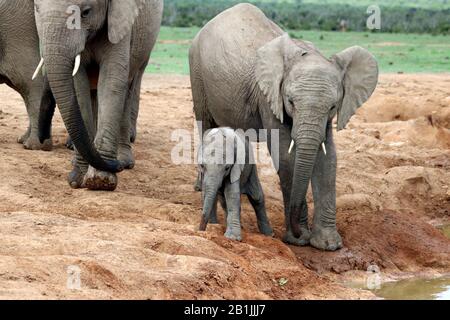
x: 210, y: 190
x: 308, y: 143
x: 59, y: 72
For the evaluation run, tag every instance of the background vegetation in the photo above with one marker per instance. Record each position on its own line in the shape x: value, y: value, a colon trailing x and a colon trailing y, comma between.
x: 419, y: 16
x: 414, y: 35
x: 395, y: 52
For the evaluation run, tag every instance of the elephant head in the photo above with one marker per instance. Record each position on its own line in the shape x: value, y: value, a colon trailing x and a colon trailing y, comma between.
x: 63, y: 38
x: 299, y: 83
x: 221, y: 158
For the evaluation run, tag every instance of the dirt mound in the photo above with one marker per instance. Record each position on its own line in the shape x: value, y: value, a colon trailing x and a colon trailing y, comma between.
x: 141, y: 241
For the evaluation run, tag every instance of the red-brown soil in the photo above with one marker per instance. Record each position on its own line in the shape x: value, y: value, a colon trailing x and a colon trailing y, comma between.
x: 140, y: 242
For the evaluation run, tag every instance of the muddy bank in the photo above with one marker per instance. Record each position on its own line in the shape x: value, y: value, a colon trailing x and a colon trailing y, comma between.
x: 141, y: 241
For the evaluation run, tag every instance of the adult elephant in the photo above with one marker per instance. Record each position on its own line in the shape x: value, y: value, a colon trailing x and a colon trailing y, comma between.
x: 106, y: 45
x: 19, y: 54
x: 247, y: 73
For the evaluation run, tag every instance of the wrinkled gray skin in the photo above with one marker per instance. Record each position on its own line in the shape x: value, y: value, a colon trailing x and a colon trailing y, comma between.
x: 19, y: 56
x: 100, y: 106
x: 247, y: 73
x: 225, y: 180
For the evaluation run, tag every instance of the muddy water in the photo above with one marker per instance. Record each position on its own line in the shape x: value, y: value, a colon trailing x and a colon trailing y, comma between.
x: 446, y: 230
x: 416, y: 289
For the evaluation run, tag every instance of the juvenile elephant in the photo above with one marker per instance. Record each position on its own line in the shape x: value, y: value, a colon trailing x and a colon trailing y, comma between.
x: 106, y: 45
x: 247, y: 73
x: 19, y: 55
x: 228, y: 171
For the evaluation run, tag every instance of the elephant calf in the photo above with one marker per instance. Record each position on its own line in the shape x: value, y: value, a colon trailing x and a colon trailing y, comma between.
x: 227, y: 173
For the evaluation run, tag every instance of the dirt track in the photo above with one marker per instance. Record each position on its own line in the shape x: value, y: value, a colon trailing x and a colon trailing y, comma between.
x: 141, y: 241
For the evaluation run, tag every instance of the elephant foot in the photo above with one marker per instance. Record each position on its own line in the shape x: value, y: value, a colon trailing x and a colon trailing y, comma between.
x: 100, y: 180
x: 265, y: 229
x: 327, y: 239
x: 69, y: 144
x: 76, y: 178
x: 304, y: 239
x: 24, y: 137
x: 233, y: 235
x: 33, y: 143
x: 126, y: 158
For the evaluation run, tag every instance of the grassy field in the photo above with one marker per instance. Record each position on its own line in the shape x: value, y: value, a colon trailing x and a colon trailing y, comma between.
x: 407, y: 53
x: 428, y: 4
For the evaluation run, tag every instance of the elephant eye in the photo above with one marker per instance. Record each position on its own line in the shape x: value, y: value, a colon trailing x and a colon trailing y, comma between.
x: 291, y: 101
x: 86, y: 12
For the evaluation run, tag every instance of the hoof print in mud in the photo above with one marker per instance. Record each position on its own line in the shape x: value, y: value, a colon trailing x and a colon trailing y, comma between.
x: 100, y: 180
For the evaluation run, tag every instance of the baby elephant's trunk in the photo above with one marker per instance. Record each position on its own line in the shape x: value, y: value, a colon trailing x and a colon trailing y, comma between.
x: 210, y: 190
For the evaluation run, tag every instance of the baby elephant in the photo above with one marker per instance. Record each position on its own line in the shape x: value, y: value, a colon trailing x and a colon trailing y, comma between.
x: 227, y: 172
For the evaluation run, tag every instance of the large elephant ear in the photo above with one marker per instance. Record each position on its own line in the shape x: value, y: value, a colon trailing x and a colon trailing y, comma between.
x: 121, y: 17
x: 360, y: 69
x: 270, y: 69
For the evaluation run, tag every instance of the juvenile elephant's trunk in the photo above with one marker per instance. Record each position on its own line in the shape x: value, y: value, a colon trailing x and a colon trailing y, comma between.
x: 308, y: 144
x: 59, y: 71
x: 210, y: 190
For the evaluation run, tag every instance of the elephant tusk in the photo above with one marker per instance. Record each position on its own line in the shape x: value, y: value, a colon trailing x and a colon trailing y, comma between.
x: 77, y: 65
x: 292, y: 146
x: 38, y: 69
x: 324, y: 148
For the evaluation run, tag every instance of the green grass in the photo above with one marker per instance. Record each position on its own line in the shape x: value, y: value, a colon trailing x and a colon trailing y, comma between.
x: 409, y: 53
x: 427, y: 4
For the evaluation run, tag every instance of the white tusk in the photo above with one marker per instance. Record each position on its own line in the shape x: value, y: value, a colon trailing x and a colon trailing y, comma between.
x: 77, y: 65
x: 38, y: 69
x: 324, y: 148
x: 292, y: 146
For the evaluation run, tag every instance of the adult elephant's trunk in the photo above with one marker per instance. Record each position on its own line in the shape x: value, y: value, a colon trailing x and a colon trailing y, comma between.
x: 59, y: 72
x: 210, y: 190
x: 308, y: 143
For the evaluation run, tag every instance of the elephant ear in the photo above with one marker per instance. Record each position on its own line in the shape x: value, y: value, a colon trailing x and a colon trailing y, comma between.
x: 121, y: 17
x: 270, y: 69
x: 360, y: 69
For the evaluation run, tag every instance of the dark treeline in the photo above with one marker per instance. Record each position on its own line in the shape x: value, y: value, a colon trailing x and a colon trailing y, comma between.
x: 296, y: 15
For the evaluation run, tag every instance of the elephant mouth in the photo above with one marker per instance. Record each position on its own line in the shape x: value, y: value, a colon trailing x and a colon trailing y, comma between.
x: 291, y: 147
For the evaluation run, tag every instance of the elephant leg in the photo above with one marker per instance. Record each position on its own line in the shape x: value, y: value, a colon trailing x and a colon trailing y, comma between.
x: 134, y: 102
x: 223, y: 203
x: 87, y: 103
x: 255, y: 195
x: 113, y: 87
x: 213, y: 217
x: 233, y: 199
x: 324, y: 233
x: 46, y: 113
x: 285, y: 162
x: 31, y: 138
x: 129, y: 123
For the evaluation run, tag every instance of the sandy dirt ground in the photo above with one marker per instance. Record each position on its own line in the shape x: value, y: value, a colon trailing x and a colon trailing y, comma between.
x: 141, y: 242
